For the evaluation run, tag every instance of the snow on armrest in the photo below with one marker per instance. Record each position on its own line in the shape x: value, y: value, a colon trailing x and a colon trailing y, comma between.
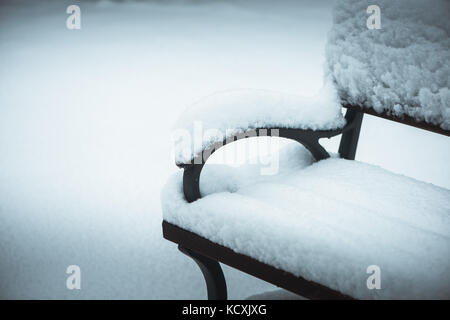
x: 401, y: 68
x: 220, y: 116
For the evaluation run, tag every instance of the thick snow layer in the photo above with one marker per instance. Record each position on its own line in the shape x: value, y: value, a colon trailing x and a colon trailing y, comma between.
x: 328, y: 223
x: 402, y: 68
x: 85, y: 118
x: 225, y: 114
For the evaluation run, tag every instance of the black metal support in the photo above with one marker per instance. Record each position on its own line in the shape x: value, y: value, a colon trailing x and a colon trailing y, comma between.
x: 212, y: 272
x: 308, y: 138
x: 350, y: 136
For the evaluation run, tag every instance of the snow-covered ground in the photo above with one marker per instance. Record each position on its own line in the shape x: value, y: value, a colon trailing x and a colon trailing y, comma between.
x: 85, y: 132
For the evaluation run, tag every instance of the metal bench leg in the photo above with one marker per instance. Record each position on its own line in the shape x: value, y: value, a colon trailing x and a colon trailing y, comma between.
x: 349, y: 140
x: 212, y: 272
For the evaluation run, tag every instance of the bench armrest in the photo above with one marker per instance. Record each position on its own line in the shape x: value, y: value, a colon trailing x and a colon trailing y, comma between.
x: 222, y: 116
x: 307, y: 128
x: 308, y: 138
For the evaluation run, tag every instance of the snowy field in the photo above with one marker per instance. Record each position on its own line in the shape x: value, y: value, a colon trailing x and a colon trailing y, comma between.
x: 85, y: 133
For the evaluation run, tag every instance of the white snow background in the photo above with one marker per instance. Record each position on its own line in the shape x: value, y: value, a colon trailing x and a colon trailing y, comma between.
x: 85, y: 122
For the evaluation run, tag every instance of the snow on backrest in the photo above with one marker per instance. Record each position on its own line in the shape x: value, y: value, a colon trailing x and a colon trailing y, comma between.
x: 402, y: 65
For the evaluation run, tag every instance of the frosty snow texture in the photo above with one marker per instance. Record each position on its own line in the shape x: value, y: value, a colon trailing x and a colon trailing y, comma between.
x: 402, y: 68
x: 235, y: 111
x: 326, y: 222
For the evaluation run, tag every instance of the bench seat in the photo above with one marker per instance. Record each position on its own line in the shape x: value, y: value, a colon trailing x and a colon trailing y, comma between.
x: 326, y: 222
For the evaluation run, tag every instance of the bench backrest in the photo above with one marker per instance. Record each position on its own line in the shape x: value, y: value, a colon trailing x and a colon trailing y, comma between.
x: 397, y: 68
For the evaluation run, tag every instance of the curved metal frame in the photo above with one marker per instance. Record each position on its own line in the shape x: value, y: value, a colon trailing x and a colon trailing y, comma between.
x: 212, y: 272
x: 308, y: 138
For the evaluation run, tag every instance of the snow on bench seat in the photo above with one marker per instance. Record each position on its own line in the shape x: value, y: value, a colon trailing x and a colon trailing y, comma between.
x: 402, y: 68
x: 326, y: 222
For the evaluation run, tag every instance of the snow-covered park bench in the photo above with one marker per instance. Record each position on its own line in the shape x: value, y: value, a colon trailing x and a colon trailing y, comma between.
x: 323, y: 222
